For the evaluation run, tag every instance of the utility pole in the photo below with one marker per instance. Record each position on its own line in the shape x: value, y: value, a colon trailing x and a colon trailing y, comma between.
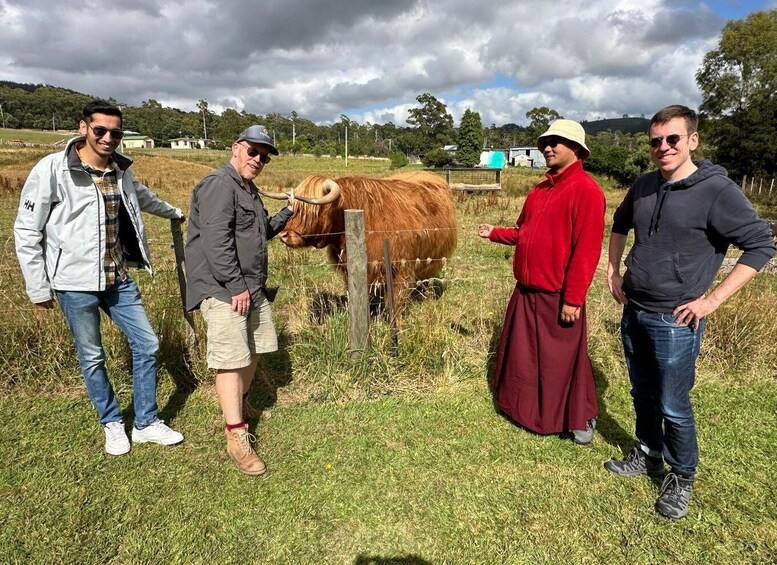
x: 347, y: 121
x: 121, y: 141
x: 1, y: 113
x: 203, y: 106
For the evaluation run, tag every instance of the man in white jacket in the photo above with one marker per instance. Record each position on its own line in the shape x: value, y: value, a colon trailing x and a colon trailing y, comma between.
x: 77, y: 231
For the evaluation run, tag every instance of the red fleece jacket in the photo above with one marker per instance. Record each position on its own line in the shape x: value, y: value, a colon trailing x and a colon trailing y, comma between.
x: 558, y: 235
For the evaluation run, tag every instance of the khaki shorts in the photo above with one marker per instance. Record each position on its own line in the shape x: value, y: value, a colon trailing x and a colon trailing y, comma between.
x: 232, y: 338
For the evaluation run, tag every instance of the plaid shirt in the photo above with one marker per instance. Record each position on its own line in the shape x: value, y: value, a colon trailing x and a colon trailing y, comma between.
x: 106, y: 181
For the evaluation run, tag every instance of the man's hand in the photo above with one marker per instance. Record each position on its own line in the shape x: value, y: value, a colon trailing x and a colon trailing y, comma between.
x: 241, y: 303
x: 691, y: 314
x: 569, y: 314
x: 615, y: 284
x: 484, y: 230
x: 48, y: 304
x: 291, y: 199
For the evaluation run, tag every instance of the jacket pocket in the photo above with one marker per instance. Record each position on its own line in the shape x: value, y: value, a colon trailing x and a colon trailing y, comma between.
x: 654, y: 271
x: 245, y: 216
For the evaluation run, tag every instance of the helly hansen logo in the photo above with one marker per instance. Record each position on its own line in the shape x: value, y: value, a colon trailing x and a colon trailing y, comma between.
x: 29, y: 205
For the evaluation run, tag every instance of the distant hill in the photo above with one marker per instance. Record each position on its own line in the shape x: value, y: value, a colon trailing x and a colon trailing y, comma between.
x: 625, y: 125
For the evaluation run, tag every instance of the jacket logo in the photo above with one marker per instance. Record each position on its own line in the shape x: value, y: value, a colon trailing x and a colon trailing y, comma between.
x: 29, y: 205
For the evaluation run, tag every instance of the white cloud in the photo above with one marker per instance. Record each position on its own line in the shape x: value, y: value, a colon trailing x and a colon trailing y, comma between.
x: 369, y: 59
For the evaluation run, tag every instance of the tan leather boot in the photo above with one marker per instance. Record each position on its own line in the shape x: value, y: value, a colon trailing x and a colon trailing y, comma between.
x: 240, y: 451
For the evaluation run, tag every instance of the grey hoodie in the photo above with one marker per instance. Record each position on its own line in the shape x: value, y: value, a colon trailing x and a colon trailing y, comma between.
x: 682, y: 231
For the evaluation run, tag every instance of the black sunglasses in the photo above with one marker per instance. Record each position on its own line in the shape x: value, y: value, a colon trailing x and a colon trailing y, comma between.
x: 100, y: 132
x: 655, y: 142
x: 253, y: 153
x: 550, y: 141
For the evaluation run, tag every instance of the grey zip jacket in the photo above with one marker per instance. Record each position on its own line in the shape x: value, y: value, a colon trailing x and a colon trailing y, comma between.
x: 60, y: 225
x: 682, y: 231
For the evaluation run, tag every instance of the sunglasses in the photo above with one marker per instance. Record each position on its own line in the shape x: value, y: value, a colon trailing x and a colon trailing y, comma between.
x: 550, y: 141
x: 100, y: 132
x: 655, y: 142
x: 253, y: 153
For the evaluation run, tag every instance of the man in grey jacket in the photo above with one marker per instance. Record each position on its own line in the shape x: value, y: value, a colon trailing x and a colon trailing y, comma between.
x: 78, y: 230
x: 226, y: 268
x: 684, y: 216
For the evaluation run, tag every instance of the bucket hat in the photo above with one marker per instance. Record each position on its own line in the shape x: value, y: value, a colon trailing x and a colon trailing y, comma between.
x: 570, y: 130
x: 258, y: 134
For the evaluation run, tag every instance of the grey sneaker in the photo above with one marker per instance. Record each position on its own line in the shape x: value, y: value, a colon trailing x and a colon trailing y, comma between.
x: 158, y: 432
x: 637, y: 463
x: 116, y: 440
x: 584, y: 437
x: 675, y: 496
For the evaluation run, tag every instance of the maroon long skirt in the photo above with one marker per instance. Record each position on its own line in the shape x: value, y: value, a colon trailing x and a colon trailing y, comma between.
x: 544, y: 380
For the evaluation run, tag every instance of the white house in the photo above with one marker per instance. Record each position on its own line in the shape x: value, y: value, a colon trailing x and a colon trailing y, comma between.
x: 137, y: 141
x: 187, y: 143
x: 526, y: 157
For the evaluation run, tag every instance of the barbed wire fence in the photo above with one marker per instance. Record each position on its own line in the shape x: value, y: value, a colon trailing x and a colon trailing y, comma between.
x: 164, y: 293
x: 758, y: 186
x: 760, y: 190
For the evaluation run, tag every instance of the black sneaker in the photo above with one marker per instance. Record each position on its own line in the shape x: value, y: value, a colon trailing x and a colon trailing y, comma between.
x: 637, y: 463
x: 675, y: 496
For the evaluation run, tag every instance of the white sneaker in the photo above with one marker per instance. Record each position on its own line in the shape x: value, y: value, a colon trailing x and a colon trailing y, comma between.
x: 116, y: 440
x: 158, y: 432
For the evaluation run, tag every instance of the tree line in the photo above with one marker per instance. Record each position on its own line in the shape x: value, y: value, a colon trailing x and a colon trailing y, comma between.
x: 737, y: 81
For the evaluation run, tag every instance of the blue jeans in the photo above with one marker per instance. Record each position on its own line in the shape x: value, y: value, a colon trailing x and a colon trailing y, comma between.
x: 121, y: 302
x: 661, y: 358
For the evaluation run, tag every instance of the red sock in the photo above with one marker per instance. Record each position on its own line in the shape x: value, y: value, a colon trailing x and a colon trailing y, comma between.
x: 231, y: 427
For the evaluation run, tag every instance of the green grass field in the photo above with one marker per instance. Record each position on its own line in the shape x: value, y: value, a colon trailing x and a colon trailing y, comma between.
x: 389, y: 460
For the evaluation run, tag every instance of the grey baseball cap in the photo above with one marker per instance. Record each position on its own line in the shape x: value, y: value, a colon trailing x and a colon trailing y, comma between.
x: 258, y: 134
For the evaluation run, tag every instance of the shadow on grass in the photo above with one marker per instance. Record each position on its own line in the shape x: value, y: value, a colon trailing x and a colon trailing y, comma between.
x: 403, y: 560
x: 273, y: 372
x: 173, y: 357
x: 186, y: 382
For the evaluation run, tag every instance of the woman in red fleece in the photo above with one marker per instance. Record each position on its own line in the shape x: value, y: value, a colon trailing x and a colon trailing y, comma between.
x: 544, y: 379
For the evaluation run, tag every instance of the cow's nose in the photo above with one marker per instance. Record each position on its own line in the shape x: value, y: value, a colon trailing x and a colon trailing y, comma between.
x: 284, y: 235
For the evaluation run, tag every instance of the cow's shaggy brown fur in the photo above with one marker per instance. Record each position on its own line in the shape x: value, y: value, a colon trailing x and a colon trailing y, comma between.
x: 414, y: 211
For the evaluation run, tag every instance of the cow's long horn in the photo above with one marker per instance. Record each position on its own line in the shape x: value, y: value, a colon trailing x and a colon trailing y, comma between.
x: 331, y: 193
x: 276, y: 195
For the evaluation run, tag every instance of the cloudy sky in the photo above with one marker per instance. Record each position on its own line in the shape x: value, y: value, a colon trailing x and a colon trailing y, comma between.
x: 369, y: 59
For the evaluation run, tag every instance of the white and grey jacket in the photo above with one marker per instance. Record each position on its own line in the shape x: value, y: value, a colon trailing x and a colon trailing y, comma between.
x: 60, y: 225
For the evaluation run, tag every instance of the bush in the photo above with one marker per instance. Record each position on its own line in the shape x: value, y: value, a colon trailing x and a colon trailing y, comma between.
x: 437, y: 158
x: 398, y: 159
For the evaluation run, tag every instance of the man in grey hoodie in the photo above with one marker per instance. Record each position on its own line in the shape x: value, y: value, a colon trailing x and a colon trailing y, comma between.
x: 684, y: 216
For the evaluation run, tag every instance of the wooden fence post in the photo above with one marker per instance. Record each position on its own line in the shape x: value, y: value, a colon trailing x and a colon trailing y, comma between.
x: 175, y: 228
x: 390, y: 297
x: 744, y: 183
x: 771, y: 186
x: 358, y: 295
